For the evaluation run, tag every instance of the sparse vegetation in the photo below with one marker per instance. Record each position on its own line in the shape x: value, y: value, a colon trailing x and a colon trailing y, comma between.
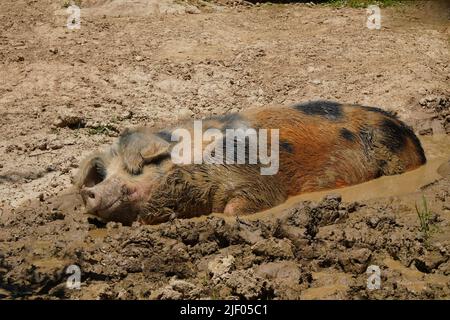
x: 102, y: 130
x: 340, y: 3
x: 68, y: 3
x: 363, y: 3
x: 425, y: 218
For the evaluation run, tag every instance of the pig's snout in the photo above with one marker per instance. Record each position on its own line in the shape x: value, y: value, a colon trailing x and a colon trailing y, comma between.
x: 104, y: 196
x: 92, y: 198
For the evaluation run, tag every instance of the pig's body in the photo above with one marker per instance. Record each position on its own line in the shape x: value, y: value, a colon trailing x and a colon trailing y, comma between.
x: 322, y: 145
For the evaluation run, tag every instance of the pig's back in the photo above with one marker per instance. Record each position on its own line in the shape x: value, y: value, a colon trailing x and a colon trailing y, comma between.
x: 325, y: 145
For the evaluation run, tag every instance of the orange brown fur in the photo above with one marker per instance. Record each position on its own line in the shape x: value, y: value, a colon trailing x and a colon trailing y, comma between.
x: 320, y: 151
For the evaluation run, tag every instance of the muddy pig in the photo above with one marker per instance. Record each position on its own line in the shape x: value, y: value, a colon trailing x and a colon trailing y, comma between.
x: 321, y: 145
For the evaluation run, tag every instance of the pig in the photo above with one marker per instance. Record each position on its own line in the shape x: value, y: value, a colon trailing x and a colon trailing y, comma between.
x: 322, y: 145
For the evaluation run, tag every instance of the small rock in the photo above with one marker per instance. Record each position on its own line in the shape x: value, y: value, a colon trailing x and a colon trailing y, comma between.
x: 113, y: 225
x: 55, y: 144
x: 360, y: 255
x: 126, y: 115
x: 250, y: 236
x: 355, y: 261
x: 175, y: 290
x: 220, y: 266
x: 445, y: 268
x: 192, y: 9
x: 11, y: 148
x: 283, y: 271
x: 274, y: 248
x: 426, y: 132
x: 422, y: 91
x: 184, y: 113
x: 139, y: 58
x: 373, y: 221
x: 430, y: 98
x: 41, y: 146
x: 166, y: 293
x: 430, y: 261
x: 50, y: 168
x: 333, y: 197
x: 423, y: 102
x: 246, y: 284
x: 70, y: 121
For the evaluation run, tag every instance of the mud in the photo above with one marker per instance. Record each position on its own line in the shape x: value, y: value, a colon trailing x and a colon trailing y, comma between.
x: 65, y: 93
x: 313, y: 250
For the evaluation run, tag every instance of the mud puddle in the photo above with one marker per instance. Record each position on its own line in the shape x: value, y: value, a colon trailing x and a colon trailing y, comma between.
x: 100, y: 233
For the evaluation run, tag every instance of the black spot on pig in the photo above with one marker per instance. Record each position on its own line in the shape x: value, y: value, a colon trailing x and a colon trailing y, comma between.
x: 394, y: 135
x: 286, y: 146
x: 347, y: 134
x: 327, y: 109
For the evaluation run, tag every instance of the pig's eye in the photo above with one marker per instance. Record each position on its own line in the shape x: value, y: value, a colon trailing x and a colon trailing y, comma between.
x: 159, y: 158
x: 156, y: 161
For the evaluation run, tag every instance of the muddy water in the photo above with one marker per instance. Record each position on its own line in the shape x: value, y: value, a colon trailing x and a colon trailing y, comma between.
x: 437, y: 151
x: 98, y: 233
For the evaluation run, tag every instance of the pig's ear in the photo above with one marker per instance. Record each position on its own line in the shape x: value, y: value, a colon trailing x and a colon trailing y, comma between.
x: 156, y: 150
x: 150, y: 152
x: 92, y: 171
x: 139, y: 147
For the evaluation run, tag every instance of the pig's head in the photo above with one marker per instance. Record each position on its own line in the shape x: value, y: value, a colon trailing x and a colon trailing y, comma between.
x: 117, y: 183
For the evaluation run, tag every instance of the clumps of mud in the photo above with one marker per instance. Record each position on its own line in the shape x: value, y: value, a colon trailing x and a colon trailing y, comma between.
x: 439, y: 106
x: 311, y: 251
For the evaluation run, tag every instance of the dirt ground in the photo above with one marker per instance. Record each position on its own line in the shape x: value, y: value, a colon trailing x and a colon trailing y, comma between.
x: 64, y: 93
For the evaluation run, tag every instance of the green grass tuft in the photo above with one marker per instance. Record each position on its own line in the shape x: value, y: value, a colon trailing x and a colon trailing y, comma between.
x: 68, y: 3
x: 106, y: 130
x: 426, y: 220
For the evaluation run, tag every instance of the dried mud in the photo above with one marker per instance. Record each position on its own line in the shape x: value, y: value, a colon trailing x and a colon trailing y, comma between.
x: 64, y: 93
